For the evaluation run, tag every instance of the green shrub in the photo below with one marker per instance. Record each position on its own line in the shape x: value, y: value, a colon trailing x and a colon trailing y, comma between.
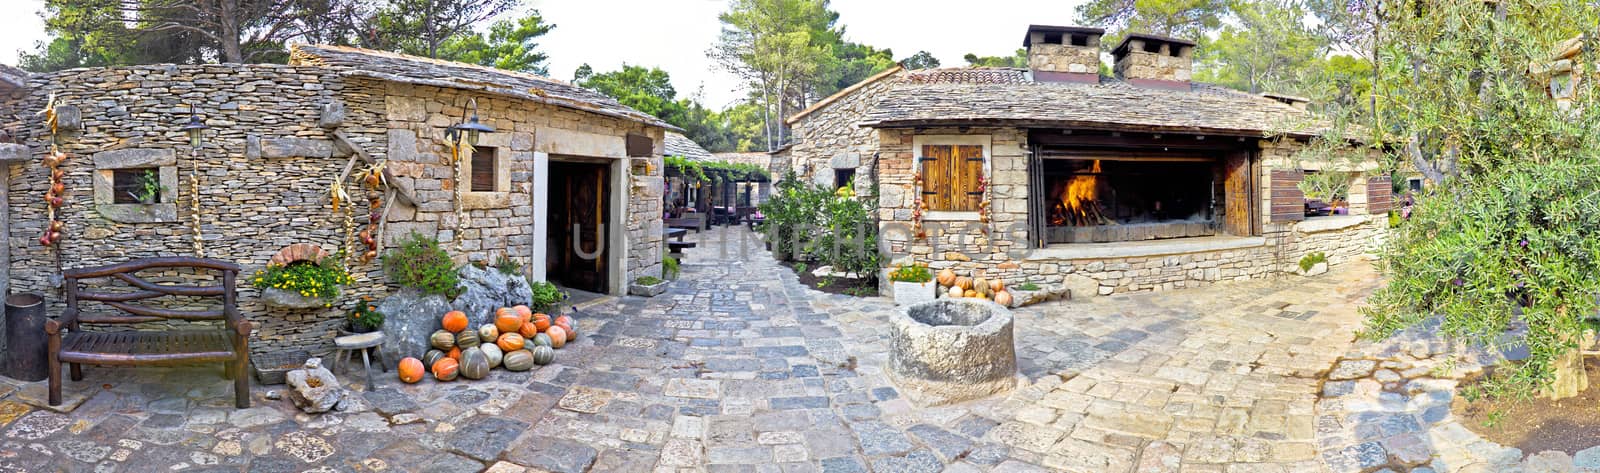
x: 1310, y: 260
x: 546, y: 297
x: 365, y: 316
x: 1028, y: 286
x: 915, y: 273
x: 320, y: 279
x: 507, y: 266
x: 420, y: 264
x: 669, y: 267
x: 815, y: 224
x: 647, y: 280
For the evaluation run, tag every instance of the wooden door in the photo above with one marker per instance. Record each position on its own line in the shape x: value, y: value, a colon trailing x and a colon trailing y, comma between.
x: 1238, y: 217
x: 579, y: 193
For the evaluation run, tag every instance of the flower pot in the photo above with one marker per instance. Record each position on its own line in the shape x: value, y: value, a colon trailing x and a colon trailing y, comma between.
x: 908, y: 293
x: 351, y: 329
x: 286, y: 299
x: 647, y: 291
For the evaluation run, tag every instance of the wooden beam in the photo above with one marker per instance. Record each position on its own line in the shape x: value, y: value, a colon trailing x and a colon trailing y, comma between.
x: 402, y: 189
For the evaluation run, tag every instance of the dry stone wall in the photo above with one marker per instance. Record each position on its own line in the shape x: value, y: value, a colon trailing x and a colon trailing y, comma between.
x: 829, y: 139
x: 251, y: 206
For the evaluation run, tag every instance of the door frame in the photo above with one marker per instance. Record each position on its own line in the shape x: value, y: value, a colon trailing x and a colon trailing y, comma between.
x: 617, y: 240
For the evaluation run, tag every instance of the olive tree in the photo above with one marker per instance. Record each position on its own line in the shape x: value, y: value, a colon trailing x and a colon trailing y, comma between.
x: 1510, y: 231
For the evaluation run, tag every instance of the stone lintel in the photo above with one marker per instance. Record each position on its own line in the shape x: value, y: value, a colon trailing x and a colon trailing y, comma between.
x: 14, y: 153
x: 135, y: 158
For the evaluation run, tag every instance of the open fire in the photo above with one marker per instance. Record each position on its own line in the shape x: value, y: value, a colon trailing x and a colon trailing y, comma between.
x: 1075, y: 202
x: 1096, y: 200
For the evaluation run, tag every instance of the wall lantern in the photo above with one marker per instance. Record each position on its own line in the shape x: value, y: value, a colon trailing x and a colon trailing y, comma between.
x: 194, y: 128
x: 471, y: 127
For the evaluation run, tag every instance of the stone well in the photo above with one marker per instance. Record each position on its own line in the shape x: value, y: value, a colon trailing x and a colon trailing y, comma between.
x: 952, y: 350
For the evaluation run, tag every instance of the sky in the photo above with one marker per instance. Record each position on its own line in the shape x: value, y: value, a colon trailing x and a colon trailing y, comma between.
x: 675, y: 34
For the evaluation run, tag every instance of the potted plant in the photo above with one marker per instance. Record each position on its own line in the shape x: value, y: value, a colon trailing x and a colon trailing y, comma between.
x: 547, y: 298
x: 670, y: 268
x: 1313, y: 264
x: 647, y: 286
x: 148, y: 188
x: 363, y: 318
x: 912, y: 284
x: 303, y: 284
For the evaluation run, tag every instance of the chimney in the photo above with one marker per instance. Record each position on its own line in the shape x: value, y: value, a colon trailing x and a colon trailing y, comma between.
x: 1154, y: 61
x: 1064, y: 53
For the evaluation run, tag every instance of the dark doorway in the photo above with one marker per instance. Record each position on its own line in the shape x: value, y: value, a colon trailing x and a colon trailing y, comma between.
x: 580, y: 197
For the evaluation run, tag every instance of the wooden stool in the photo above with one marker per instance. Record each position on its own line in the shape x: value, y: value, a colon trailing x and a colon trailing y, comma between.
x: 364, y: 343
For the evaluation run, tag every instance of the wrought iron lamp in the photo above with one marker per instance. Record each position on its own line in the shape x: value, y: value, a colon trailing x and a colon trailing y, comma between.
x: 194, y: 128
x: 469, y: 126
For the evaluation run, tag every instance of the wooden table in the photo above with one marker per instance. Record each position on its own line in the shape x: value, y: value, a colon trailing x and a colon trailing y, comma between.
x: 676, y: 233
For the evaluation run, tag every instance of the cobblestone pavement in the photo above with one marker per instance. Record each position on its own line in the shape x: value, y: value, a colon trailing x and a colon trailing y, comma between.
x: 739, y: 368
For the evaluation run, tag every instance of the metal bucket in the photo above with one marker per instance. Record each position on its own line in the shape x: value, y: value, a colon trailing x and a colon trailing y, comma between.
x: 26, y: 342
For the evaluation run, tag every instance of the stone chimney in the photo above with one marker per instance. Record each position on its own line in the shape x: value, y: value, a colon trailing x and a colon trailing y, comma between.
x: 1154, y: 61
x: 1063, y: 53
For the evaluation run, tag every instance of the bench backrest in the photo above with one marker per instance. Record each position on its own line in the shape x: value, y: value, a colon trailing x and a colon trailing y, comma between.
x: 144, y: 289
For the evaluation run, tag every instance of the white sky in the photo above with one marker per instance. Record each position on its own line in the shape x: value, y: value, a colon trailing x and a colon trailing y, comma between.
x: 675, y: 34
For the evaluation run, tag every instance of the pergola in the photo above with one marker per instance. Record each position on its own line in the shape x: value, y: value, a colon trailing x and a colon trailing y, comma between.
x: 706, y: 184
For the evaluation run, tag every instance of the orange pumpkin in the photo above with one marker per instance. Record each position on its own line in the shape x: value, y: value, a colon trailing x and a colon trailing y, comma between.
x: 455, y: 354
x: 1003, y: 298
x: 507, y: 320
x: 528, y: 330
x: 564, y: 327
x: 541, y: 321
x: 524, y: 312
x: 510, y: 342
x: 947, y: 277
x: 964, y: 283
x: 563, y: 320
x: 995, y: 285
x: 558, y: 336
x: 454, y: 321
x: 969, y: 293
x: 445, y: 369
x: 410, y: 370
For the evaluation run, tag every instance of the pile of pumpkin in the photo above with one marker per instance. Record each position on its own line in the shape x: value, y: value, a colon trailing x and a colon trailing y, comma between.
x: 518, y: 339
x: 951, y: 285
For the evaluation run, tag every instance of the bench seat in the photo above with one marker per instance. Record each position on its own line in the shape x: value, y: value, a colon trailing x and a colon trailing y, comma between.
x: 147, y: 348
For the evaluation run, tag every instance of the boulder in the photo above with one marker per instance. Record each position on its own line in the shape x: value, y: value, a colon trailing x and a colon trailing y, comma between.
x: 409, y: 317
x: 313, y: 388
x: 487, y: 289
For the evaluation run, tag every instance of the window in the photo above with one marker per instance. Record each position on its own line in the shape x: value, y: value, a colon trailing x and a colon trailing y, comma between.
x: 136, y: 186
x: 1415, y: 184
x: 950, y: 175
x: 484, y: 169
x: 843, y: 177
x: 1052, y: 38
x: 1080, y: 40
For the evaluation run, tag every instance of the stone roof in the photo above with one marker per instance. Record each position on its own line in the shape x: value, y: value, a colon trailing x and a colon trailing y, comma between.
x: 758, y: 158
x: 679, y: 145
x: 424, y: 71
x: 829, y: 100
x: 970, y: 75
x: 951, y: 97
x: 14, y: 78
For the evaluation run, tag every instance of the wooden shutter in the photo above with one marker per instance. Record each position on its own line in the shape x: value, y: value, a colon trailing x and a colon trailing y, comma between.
x: 483, y: 167
x: 936, y: 176
x: 965, y: 193
x: 1380, y: 194
x: 1288, y: 203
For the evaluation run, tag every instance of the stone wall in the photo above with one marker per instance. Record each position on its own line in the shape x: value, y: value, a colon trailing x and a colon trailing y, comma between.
x: 1064, y: 57
x: 829, y: 139
x: 1135, y: 63
x: 266, y: 167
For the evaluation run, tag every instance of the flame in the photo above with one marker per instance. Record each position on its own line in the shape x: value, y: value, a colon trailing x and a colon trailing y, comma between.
x: 1077, y: 199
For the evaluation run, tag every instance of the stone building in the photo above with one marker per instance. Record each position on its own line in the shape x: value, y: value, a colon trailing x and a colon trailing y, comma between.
x: 565, y: 167
x: 1058, y: 175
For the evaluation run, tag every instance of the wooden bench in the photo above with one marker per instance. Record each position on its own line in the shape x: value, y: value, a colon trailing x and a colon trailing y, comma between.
x: 228, y: 344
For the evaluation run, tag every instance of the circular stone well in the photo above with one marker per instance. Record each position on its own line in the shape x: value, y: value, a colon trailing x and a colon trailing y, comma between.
x: 952, y: 350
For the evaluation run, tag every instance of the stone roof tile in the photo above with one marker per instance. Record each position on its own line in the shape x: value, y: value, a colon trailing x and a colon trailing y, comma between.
x: 679, y: 145
x: 412, y: 69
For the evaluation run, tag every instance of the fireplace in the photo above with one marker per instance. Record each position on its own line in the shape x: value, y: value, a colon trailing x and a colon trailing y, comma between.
x: 1124, y: 198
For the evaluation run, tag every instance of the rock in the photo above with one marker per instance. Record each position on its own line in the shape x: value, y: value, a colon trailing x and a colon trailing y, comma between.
x: 485, y: 290
x: 1550, y: 461
x: 409, y: 317
x: 274, y: 395
x: 313, y: 388
x: 1352, y: 369
x: 290, y: 299
x: 1587, y: 459
x: 1386, y: 376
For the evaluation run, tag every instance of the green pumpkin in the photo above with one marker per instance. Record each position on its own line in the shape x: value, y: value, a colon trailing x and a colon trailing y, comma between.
x: 541, y: 340
x: 494, y: 354
x: 519, y: 360
x: 474, y: 365
x: 443, y: 340
x: 543, y: 355
x: 467, y: 339
x: 488, y: 332
x: 430, y: 357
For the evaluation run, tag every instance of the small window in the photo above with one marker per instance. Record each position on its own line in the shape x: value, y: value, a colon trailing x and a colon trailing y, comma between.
x: 1415, y: 184
x: 1175, y: 51
x: 136, y: 186
x: 1080, y: 40
x: 483, y: 169
x: 843, y: 177
x: 1152, y: 47
x: 950, y: 175
x: 1052, y: 38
